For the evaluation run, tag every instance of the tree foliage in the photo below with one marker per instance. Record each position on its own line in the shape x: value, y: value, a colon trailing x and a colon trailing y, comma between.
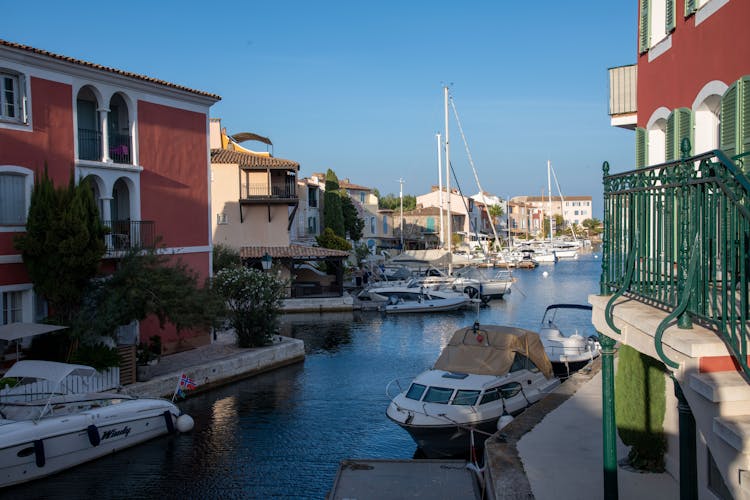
x: 496, y: 211
x: 393, y: 202
x: 329, y: 239
x: 225, y: 257
x: 143, y: 284
x: 333, y: 216
x: 594, y: 225
x: 353, y: 223
x: 253, y: 302
x: 640, y: 404
x: 63, y: 243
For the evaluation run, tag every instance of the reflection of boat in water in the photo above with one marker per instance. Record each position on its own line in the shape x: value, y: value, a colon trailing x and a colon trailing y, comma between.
x: 567, y: 353
x: 44, y: 433
x: 484, y: 373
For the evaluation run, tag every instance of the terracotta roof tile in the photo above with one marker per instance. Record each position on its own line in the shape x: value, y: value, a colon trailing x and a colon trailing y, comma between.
x: 106, y: 68
x: 292, y: 251
x: 250, y: 160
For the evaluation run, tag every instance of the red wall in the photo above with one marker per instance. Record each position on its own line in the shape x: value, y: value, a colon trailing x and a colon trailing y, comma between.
x: 717, y: 49
x: 50, y: 142
x: 174, y: 181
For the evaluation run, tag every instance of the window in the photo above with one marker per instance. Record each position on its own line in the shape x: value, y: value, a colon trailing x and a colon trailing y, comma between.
x: 490, y: 395
x: 12, y: 307
x: 679, y: 127
x: 385, y: 224
x: 362, y: 197
x: 15, y: 191
x: 312, y: 225
x: 734, y: 127
x: 521, y: 362
x: 312, y: 197
x: 415, y: 391
x: 466, y: 398
x: 438, y: 395
x: 222, y: 218
x: 12, y: 96
x: 372, y: 225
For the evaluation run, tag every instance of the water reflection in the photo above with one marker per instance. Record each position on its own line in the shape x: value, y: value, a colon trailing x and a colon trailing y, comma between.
x: 283, y: 433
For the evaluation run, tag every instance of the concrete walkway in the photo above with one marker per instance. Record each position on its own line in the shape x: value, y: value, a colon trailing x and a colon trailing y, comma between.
x: 218, y: 363
x: 553, y: 450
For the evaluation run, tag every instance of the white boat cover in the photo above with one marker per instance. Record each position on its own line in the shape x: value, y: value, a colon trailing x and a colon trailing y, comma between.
x: 432, y: 257
x: 51, y: 371
x: 491, y: 349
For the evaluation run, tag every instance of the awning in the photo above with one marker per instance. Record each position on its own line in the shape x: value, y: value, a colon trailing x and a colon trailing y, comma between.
x: 249, y: 136
x: 17, y: 331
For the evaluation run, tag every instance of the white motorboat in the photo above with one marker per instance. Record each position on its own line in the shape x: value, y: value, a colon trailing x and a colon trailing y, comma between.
x: 41, y: 434
x: 567, y: 353
x: 425, y: 301
x: 484, y: 373
x: 482, y: 283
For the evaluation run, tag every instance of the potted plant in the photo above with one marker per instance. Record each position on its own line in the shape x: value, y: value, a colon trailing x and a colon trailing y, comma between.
x: 147, y: 355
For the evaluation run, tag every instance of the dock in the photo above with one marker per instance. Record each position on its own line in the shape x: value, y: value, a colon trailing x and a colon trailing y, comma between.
x: 404, y: 479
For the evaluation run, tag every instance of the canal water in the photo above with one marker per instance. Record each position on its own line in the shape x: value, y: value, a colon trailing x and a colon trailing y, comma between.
x: 283, y: 434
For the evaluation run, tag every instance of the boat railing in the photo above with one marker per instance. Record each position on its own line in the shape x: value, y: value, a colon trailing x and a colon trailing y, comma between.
x: 396, y: 385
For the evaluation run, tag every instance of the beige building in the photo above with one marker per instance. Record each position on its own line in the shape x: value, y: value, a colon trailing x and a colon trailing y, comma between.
x: 465, y: 210
x: 253, y: 195
x: 574, y: 209
x: 378, y: 228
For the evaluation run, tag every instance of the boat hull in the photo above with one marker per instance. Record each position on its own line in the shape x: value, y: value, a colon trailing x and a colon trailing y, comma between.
x: 31, y: 450
x: 449, y: 440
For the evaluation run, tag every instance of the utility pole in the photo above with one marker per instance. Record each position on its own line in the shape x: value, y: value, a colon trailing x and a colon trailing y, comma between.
x: 441, y: 239
x: 401, y: 198
x: 448, y: 182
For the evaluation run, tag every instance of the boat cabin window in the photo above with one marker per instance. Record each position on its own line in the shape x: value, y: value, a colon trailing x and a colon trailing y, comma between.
x: 468, y: 398
x: 454, y: 375
x: 510, y: 390
x: 521, y: 362
x: 490, y: 395
x: 415, y: 391
x: 438, y: 395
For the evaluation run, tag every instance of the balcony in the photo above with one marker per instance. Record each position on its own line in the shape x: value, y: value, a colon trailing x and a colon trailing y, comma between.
x: 623, y: 97
x: 127, y: 234
x: 119, y: 148
x: 261, y: 192
x: 89, y: 144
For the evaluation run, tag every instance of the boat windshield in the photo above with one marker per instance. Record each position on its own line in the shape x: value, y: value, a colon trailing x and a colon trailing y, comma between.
x: 468, y: 398
x: 415, y: 391
x: 438, y: 395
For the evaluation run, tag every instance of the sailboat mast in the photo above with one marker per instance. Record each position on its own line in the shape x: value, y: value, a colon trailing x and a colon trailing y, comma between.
x: 440, y: 188
x: 448, y: 181
x: 549, y: 198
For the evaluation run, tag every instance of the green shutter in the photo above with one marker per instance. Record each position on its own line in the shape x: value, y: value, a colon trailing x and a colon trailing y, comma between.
x: 744, y: 110
x: 683, y: 130
x: 641, y: 147
x: 669, y: 148
x: 689, y: 7
x: 645, y: 35
x: 669, y: 25
x: 728, y: 124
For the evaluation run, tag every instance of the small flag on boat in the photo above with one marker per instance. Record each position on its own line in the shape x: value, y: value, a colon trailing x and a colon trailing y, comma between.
x: 184, y: 383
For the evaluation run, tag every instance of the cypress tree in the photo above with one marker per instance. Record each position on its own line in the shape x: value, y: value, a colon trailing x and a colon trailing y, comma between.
x: 333, y: 216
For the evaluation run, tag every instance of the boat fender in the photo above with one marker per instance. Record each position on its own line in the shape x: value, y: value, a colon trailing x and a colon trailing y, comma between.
x: 185, y: 423
x: 94, y: 437
x: 168, y: 420
x: 503, y: 421
x: 39, y: 452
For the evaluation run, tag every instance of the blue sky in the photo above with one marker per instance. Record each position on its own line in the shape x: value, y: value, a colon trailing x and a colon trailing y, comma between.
x: 357, y: 86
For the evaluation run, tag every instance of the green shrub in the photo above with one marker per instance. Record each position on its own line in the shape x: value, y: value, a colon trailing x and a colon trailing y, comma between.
x: 640, y: 404
x: 253, y: 303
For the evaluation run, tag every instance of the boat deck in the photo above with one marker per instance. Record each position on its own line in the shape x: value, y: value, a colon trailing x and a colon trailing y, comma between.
x: 396, y: 479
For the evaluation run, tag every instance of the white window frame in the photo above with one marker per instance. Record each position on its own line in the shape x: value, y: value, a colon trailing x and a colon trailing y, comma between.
x: 28, y: 186
x: 20, y: 97
x: 27, y: 301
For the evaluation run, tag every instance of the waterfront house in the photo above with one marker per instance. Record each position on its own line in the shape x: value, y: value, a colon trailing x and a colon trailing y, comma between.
x: 466, y: 215
x: 309, y: 215
x: 254, y: 199
x: 573, y: 209
x: 378, y: 224
x: 676, y: 234
x: 142, y: 142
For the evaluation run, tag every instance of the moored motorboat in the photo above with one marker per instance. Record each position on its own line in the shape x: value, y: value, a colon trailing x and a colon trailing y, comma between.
x: 567, y: 353
x: 41, y: 434
x: 484, y: 373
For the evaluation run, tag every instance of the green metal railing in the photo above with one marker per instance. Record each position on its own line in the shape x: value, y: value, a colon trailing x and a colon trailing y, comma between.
x: 677, y: 236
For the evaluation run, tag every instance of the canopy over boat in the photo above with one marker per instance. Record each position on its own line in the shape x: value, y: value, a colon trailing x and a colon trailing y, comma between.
x: 491, y: 349
x: 51, y: 371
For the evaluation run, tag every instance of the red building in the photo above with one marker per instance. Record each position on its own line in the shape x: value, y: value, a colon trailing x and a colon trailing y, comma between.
x: 142, y: 141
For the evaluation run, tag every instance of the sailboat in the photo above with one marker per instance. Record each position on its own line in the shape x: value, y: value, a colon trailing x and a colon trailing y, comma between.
x: 560, y: 249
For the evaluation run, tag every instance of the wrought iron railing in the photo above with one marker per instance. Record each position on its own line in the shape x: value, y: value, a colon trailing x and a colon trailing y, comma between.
x: 127, y: 234
x: 119, y: 147
x: 261, y: 190
x: 677, y: 236
x: 89, y: 144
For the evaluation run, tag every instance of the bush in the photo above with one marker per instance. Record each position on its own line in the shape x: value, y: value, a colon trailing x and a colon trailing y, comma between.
x: 640, y: 403
x: 253, y: 303
x: 225, y: 257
